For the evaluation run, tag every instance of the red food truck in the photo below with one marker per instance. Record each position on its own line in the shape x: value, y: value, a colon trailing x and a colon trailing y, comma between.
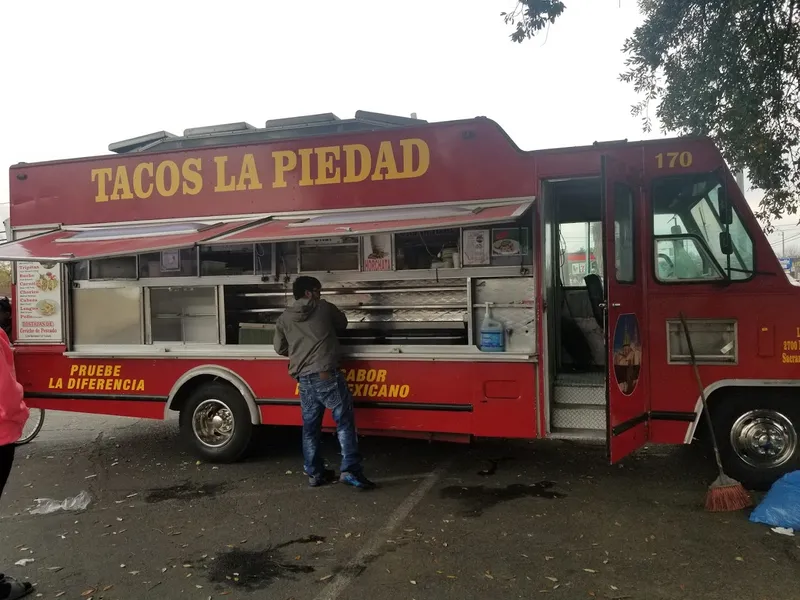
x: 149, y: 281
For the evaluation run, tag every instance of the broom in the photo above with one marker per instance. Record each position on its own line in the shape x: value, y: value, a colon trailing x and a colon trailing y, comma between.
x: 724, y: 494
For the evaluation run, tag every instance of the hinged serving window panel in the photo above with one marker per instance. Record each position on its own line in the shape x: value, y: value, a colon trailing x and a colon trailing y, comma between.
x: 714, y: 341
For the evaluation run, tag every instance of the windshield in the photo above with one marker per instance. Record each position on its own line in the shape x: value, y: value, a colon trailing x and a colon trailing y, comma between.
x: 690, y: 205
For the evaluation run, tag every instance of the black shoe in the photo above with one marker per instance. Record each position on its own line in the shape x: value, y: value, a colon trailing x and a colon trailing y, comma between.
x: 357, y: 480
x: 328, y: 476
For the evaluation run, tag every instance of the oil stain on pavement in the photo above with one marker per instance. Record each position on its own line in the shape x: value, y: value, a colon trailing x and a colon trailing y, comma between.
x: 479, y: 498
x: 257, y: 569
x: 185, y: 491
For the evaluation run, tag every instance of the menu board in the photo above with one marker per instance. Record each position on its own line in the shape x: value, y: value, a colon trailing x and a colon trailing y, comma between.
x: 476, y: 247
x: 38, y: 302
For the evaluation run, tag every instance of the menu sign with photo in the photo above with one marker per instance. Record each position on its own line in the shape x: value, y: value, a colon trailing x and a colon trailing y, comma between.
x: 377, y: 252
x: 476, y: 247
x: 38, y: 302
x: 511, y: 241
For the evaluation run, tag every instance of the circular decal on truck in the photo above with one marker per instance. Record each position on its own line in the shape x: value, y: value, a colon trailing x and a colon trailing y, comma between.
x: 627, y: 353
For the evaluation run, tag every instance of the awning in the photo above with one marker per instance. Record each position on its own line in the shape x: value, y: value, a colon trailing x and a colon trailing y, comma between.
x: 375, y: 221
x: 99, y: 242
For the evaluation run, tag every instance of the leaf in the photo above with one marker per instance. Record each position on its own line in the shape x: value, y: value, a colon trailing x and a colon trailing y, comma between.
x: 326, y: 577
x: 590, y: 570
x: 88, y: 592
x: 412, y: 582
x: 553, y: 579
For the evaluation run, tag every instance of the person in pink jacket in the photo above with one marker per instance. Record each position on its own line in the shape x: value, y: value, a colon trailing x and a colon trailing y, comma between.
x: 13, y: 415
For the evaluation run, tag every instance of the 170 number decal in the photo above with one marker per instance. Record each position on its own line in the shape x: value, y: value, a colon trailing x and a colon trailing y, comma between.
x: 671, y: 160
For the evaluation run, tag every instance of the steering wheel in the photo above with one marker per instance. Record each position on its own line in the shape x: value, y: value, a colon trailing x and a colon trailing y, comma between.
x: 670, y: 265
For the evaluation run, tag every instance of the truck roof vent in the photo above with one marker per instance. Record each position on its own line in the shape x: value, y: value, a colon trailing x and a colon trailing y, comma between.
x: 308, y: 120
x: 213, y: 129
x: 142, y: 142
x: 382, y: 119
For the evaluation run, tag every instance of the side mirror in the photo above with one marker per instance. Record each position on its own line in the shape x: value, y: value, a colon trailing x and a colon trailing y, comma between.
x: 725, y: 209
x: 725, y: 243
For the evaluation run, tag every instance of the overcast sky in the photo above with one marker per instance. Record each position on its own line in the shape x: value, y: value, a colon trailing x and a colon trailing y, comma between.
x: 79, y: 75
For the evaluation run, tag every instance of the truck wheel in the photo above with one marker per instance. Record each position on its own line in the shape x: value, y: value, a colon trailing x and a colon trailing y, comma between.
x: 215, y: 423
x: 757, y: 438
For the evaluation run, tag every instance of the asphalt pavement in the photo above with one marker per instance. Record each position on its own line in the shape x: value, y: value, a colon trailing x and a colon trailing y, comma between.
x: 496, y: 520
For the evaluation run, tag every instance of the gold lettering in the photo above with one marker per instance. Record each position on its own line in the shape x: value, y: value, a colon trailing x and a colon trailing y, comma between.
x: 117, y: 370
x: 82, y: 371
x: 381, y: 376
x: 326, y: 171
x: 424, y: 154
x: 72, y: 370
x: 371, y: 375
x: 126, y: 384
x: 285, y: 161
x: 71, y: 383
x: 140, y: 191
x: 404, y: 391
x: 248, y: 173
x: 101, y: 384
x: 362, y: 375
x: 117, y: 385
x: 92, y: 384
x: 161, y: 179
x: 394, y: 391
x: 223, y: 184
x: 383, y: 391
x: 351, y: 375
x: 122, y: 185
x: 140, y: 385
x: 385, y: 161
x: 373, y: 390
x: 192, y: 179
x: 351, y: 174
x: 305, y: 166
x: 102, y: 176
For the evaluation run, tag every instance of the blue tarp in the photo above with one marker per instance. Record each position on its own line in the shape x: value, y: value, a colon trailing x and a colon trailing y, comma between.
x: 781, y: 506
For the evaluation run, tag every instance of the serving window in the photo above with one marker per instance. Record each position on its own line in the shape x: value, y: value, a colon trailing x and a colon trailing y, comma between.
x: 180, y: 262
x: 401, y: 279
x: 330, y: 254
x: 186, y: 315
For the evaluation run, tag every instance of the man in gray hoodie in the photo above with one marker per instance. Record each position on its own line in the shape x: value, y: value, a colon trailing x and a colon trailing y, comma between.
x: 307, y: 333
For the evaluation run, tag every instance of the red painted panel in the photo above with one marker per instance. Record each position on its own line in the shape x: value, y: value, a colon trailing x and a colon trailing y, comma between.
x: 87, y: 384
x: 466, y: 160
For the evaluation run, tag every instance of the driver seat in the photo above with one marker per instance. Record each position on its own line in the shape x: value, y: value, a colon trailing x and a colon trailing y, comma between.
x: 594, y: 287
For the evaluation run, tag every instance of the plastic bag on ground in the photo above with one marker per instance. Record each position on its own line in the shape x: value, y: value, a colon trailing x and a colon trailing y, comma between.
x: 781, y: 506
x: 45, y: 506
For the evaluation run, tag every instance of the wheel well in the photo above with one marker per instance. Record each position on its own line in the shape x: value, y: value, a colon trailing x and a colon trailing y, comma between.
x: 728, y: 393
x: 185, y: 391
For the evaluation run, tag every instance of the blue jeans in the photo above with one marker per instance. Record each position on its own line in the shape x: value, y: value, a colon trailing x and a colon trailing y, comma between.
x: 317, y: 394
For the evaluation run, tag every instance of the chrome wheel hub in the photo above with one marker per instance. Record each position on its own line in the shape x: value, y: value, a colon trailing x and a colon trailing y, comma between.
x: 764, y: 438
x: 212, y: 423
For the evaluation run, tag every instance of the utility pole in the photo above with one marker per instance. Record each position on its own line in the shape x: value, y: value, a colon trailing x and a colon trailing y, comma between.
x: 783, y: 244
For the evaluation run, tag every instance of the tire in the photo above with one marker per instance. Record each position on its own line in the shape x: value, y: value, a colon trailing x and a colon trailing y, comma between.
x: 31, y: 432
x: 215, y: 423
x: 757, y: 433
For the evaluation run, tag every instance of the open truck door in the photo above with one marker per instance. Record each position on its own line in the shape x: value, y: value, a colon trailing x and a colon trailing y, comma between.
x: 626, y: 390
